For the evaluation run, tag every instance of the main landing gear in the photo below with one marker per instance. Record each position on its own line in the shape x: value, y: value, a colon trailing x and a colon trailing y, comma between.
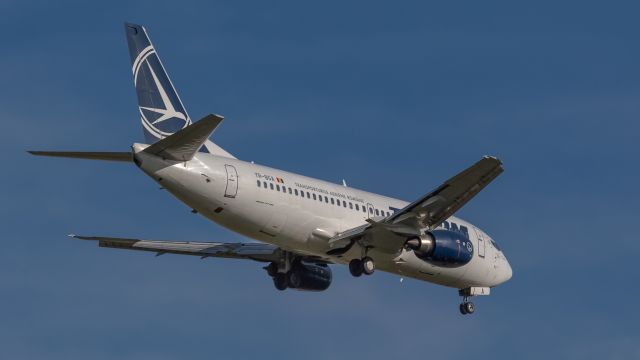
x: 366, y: 266
x: 283, y: 280
x: 299, y: 275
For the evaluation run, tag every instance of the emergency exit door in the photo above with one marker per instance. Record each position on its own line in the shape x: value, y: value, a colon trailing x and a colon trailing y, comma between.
x: 370, y: 211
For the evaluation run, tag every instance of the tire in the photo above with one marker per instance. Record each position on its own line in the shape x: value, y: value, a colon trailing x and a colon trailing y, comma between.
x: 463, y: 309
x: 368, y: 265
x: 280, y: 281
x: 355, y: 267
x: 272, y: 269
x: 469, y: 308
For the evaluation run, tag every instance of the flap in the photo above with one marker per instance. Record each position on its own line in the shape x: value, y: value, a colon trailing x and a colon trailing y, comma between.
x: 253, y: 251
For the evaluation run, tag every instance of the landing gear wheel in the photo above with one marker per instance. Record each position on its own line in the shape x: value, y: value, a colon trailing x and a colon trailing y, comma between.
x: 355, y: 267
x: 294, y: 278
x: 368, y: 266
x: 280, y: 281
x: 463, y: 309
x: 469, y: 308
x: 272, y: 269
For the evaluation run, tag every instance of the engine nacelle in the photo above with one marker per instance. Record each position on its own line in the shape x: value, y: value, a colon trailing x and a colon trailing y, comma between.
x: 310, y: 277
x: 442, y: 247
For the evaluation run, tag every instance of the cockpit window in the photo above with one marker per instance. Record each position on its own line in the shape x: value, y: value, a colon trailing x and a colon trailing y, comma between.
x: 495, y: 245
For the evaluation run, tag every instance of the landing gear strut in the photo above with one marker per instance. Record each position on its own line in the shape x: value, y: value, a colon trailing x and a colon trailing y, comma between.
x: 366, y: 266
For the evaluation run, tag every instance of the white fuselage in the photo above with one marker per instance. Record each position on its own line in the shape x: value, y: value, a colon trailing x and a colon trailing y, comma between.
x: 300, y: 214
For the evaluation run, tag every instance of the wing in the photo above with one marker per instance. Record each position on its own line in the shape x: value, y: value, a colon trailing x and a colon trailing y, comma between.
x: 427, y: 212
x: 432, y: 209
x: 252, y: 251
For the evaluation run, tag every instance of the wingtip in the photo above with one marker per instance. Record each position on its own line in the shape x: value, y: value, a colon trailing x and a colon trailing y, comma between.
x: 132, y: 24
x: 491, y: 157
x: 215, y: 116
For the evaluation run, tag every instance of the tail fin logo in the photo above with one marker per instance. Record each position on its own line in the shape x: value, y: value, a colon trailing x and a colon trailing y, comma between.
x: 161, y: 110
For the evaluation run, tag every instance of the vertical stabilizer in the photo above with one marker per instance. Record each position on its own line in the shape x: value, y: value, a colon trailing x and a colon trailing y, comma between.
x: 161, y: 110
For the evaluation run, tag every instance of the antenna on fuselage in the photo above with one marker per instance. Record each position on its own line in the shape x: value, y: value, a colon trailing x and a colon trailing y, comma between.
x: 344, y: 183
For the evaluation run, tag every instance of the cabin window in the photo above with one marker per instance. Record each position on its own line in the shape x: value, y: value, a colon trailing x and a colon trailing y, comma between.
x: 326, y: 199
x: 278, y: 187
x: 332, y: 202
x: 344, y: 203
x: 370, y: 210
x: 364, y: 210
x: 308, y: 195
x: 290, y: 192
x: 296, y: 191
x: 351, y: 206
x: 271, y: 186
x: 377, y: 213
x: 314, y: 196
x: 284, y: 189
x: 357, y: 207
x: 259, y: 183
x: 264, y: 183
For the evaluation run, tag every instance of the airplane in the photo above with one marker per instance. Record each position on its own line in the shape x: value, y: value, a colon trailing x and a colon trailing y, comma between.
x: 301, y: 224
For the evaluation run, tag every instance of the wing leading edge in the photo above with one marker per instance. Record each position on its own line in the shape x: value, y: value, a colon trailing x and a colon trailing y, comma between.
x: 427, y: 212
x: 438, y: 205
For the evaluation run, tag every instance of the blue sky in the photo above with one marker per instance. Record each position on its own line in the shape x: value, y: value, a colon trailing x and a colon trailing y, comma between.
x: 394, y: 98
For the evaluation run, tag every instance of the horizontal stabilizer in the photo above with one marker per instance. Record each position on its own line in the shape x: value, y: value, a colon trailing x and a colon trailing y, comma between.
x: 184, y: 144
x: 89, y: 155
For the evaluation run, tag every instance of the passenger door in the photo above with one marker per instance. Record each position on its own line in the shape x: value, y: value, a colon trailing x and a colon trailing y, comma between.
x: 232, y: 182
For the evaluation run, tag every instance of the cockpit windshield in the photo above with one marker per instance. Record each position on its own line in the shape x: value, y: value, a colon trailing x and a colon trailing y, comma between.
x: 495, y: 245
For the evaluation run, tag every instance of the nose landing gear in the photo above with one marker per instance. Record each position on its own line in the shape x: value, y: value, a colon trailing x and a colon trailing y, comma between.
x: 467, y: 306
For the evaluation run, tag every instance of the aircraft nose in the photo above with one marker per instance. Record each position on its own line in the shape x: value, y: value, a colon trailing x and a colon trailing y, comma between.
x: 507, y: 272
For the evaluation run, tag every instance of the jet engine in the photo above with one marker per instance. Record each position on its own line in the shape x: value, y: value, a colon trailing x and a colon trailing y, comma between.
x: 310, y: 277
x: 442, y: 247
